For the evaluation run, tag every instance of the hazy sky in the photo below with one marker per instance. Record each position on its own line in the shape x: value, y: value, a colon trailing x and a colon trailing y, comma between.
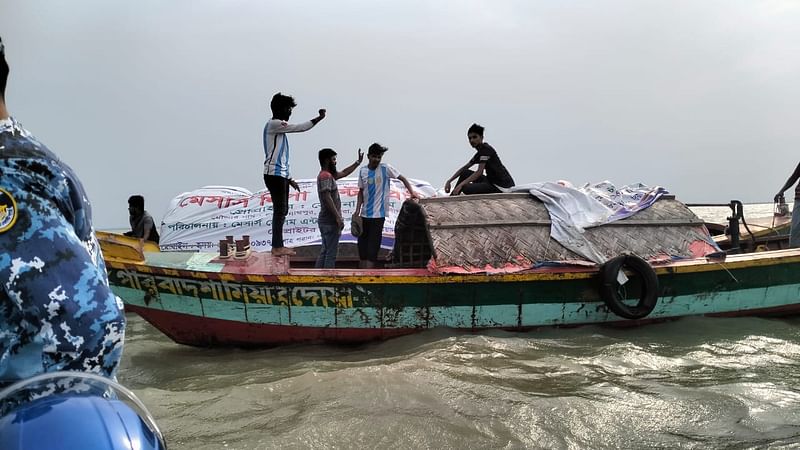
x: 159, y: 97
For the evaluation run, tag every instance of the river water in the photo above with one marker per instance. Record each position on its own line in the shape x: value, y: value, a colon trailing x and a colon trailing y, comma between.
x: 690, y: 383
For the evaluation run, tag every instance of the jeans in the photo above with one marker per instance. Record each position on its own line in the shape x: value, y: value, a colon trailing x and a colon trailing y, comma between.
x: 279, y: 191
x: 330, y: 245
x: 794, y: 233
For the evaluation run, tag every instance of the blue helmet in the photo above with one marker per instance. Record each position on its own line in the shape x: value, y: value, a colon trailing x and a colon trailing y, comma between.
x: 78, y: 420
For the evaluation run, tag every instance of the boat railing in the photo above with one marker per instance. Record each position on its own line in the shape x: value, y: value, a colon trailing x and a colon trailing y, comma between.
x: 737, y: 214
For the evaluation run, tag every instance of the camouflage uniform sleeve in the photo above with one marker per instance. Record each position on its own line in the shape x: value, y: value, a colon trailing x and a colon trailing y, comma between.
x: 57, y: 311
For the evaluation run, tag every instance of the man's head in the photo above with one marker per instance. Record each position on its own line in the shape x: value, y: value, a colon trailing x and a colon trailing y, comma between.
x: 135, y: 205
x: 281, y: 106
x: 375, y: 154
x: 376, y: 150
x: 3, y: 71
x: 327, y: 159
x: 475, y: 135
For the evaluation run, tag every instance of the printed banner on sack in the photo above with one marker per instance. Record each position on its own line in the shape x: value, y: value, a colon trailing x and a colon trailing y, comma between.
x: 199, y: 219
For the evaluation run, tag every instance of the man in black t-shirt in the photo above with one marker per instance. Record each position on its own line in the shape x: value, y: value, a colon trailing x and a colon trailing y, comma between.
x: 491, y: 174
x: 142, y: 224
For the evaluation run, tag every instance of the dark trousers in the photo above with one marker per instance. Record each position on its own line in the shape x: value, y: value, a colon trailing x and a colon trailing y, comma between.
x: 369, y: 242
x: 480, y: 186
x: 794, y: 231
x: 279, y: 191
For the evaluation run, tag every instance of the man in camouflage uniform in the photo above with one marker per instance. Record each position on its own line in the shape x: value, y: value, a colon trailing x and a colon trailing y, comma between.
x: 57, y: 311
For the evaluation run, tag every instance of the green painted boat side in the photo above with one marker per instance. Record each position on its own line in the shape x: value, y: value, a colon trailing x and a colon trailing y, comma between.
x: 742, y: 285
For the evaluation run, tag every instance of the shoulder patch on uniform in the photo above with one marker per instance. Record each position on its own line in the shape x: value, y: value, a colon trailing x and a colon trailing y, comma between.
x: 8, y: 211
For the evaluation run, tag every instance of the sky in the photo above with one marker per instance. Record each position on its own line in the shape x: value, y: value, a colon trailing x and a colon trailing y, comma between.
x: 160, y: 97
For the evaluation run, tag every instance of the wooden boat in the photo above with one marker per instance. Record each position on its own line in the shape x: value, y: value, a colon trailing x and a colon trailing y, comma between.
x: 471, y: 263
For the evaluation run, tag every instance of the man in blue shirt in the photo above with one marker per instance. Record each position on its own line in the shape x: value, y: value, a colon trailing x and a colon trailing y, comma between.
x: 276, y: 164
x: 372, y: 204
x: 57, y: 311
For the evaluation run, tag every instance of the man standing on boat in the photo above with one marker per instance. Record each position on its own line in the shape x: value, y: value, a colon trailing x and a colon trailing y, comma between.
x: 491, y: 174
x: 330, y: 220
x: 276, y: 164
x: 374, y: 187
x: 794, y: 236
x: 57, y: 311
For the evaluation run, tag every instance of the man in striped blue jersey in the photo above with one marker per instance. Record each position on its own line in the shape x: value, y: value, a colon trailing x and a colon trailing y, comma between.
x: 374, y: 187
x: 276, y: 164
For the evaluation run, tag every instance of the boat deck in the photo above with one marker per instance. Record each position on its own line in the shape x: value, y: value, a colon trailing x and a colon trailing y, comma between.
x: 260, y: 266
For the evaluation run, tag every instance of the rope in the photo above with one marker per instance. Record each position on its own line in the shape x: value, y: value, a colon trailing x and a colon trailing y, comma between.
x: 729, y: 272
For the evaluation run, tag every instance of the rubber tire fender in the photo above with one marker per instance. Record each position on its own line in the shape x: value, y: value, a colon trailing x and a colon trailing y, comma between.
x: 609, y: 288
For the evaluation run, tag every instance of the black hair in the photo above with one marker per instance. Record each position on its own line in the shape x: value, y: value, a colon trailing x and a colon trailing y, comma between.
x: 3, y: 71
x: 376, y: 149
x: 280, y: 103
x: 324, y: 155
x: 475, y: 128
x: 137, y: 201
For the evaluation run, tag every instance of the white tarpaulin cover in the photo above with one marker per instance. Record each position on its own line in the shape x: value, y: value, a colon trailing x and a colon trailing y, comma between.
x: 199, y: 219
x: 574, y: 209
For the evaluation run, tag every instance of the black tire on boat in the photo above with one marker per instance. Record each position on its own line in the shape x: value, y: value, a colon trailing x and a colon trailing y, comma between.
x: 609, y: 289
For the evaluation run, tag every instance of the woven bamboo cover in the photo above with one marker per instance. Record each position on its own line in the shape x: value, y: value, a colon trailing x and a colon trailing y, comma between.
x: 502, y: 229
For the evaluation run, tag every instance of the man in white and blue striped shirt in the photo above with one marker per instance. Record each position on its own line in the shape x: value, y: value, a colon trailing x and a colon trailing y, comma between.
x: 276, y: 163
x: 374, y: 187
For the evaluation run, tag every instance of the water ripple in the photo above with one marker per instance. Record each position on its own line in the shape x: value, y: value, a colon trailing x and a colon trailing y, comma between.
x: 696, y: 383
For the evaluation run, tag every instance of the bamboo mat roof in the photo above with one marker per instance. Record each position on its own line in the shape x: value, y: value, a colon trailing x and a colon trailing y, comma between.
x: 499, y: 230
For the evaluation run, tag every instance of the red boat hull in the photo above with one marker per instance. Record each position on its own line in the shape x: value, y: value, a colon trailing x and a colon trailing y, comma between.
x: 205, y: 331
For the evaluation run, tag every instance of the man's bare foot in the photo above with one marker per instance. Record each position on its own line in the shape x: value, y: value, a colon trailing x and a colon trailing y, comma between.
x: 283, y: 251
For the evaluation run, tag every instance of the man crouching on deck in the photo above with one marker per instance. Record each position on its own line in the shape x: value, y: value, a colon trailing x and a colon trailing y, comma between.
x: 57, y: 311
x: 491, y: 174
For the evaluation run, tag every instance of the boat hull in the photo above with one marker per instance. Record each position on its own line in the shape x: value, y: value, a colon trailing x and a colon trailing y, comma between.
x: 207, y: 308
